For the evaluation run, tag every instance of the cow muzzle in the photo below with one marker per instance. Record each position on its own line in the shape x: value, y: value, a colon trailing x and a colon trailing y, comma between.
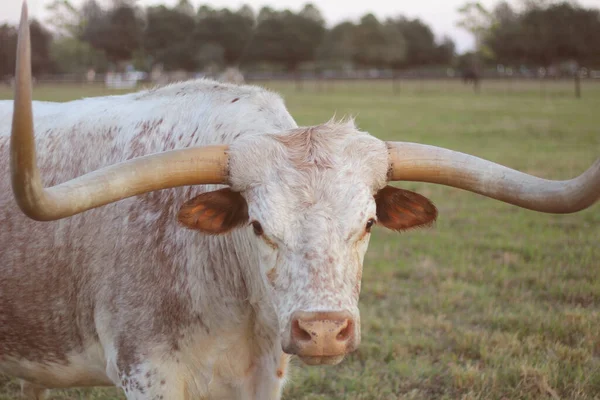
x: 322, y: 337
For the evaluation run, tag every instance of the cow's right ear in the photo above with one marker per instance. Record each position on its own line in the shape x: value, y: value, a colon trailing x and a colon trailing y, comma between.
x: 399, y: 209
x: 214, y: 212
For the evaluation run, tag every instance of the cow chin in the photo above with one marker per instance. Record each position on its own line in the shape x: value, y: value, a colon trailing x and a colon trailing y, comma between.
x: 322, y: 360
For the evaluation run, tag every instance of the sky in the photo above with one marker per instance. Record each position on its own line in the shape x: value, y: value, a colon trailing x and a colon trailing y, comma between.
x: 441, y: 15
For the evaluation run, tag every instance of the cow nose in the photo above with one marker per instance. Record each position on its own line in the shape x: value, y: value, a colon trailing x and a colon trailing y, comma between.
x: 322, y: 334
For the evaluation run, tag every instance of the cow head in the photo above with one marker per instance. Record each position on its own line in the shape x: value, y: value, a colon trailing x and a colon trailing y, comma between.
x: 309, y: 199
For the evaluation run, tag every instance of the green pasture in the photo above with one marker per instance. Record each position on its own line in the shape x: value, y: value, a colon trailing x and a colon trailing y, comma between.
x: 493, y: 302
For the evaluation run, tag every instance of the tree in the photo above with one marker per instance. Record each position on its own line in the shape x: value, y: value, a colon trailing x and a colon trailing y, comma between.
x: 476, y: 19
x: 503, y: 14
x: 185, y: 7
x: 65, y: 18
x: 8, y: 49
x: 246, y: 12
x: 377, y: 44
x: 231, y: 31
x: 396, y: 47
x: 311, y: 12
x: 117, y: 32
x: 41, y: 39
x: 90, y: 16
x: 445, y: 52
x: 338, y: 44
x: 561, y: 32
x: 529, y: 5
x: 125, y: 33
x: 505, y: 36
x: 286, y: 38
x: 71, y: 55
x: 41, y: 62
x: 396, y: 43
x: 265, y: 13
x: 305, y: 31
x: 268, y: 43
x: 421, y: 48
x: 211, y: 54
x: 545, y: 34
x: 167, y: 38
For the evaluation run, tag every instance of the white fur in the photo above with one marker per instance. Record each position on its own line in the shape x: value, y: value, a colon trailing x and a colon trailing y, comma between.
x: 81, y: 369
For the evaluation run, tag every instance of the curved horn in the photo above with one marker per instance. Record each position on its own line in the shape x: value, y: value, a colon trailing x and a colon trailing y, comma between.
x: 192, y: 166
x: 422, y: 163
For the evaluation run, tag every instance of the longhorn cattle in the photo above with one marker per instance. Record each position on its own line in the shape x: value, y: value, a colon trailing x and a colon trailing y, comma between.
x: 146, y: 280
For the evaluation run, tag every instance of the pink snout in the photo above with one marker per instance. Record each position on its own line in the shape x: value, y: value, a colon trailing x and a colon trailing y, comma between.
x: 322, y: 337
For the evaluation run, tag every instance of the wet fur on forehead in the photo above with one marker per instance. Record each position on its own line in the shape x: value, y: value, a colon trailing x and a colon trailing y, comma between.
x: 334, y: 149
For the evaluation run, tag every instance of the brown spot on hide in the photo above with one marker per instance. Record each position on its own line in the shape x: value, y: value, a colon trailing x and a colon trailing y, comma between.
x: 272, y: 275
x: 269, y: 242
x: 284, y: 359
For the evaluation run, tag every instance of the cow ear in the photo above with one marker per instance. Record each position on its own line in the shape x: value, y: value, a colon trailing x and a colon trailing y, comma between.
x: 400, y: 209
x: 214, y: 212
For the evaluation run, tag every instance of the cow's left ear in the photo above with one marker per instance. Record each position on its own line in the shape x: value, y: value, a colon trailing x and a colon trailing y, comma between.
x: 400, y: 209
x: 214, y: 212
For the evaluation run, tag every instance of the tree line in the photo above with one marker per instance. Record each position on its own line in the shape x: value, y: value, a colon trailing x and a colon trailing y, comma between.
x: 540, y: 33
x: 75, y: 39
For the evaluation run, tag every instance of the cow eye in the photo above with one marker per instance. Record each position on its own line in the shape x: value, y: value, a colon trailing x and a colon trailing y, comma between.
x: 370, y: 224
x: 258, y: 230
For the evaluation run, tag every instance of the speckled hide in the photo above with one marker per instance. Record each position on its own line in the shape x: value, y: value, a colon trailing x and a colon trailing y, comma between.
x: 125, y: 295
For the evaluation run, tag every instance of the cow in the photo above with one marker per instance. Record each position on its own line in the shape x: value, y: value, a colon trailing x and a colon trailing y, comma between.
x: 471, y: 75
x: 184, y: 242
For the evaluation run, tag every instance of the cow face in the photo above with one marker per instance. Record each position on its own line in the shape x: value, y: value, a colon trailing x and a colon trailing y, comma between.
x: 309, y: 200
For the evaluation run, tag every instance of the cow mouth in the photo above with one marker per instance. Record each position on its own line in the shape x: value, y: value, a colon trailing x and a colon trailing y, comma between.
x: 322, y: 360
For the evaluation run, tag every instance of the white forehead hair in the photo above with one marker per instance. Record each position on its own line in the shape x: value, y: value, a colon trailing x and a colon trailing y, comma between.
x: 309, y: 159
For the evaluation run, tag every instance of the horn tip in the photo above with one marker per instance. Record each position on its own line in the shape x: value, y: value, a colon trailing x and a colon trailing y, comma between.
x: 24, y: 12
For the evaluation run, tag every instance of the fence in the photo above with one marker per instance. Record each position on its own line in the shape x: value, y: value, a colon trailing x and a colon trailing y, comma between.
x: 393, y: 82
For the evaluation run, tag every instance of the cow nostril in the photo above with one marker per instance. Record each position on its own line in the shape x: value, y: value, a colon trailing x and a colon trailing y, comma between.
x: 345, y: 333
x: 300, y: 333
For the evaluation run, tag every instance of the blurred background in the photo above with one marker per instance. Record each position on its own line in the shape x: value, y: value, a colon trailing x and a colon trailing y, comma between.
x: 123, y: 42
x: 493, y: 302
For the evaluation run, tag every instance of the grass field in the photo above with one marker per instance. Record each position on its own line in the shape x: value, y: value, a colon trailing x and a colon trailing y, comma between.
x: 493, y: 302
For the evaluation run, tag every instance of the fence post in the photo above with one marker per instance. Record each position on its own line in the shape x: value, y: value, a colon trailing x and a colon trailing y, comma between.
x: 542, y: 87
x: 299, y: 81
x: 577, y: 84
x: 395, y: 82
x: 319, y: 81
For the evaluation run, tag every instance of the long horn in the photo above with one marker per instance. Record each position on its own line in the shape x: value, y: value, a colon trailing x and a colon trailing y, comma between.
x: 422, y: 163
x: 192, y: 166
